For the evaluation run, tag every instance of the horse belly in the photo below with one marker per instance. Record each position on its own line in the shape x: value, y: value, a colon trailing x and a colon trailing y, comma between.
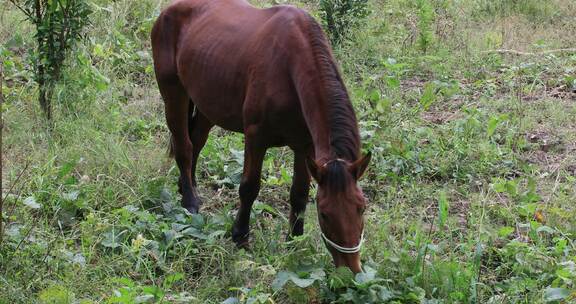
x: 221, y: 111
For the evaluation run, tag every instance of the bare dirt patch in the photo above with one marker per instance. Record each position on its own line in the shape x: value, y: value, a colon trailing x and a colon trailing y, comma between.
x: 551, y: 153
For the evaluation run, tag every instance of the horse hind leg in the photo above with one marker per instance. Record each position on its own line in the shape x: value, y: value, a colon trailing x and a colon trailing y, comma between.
x: 177, y: 103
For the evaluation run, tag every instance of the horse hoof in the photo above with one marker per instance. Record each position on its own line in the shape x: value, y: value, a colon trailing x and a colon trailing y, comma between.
x: 192, y: 209
x: 192, y: 205
x: 241, y: 238
x: 245, y: 244
x: 242, y: 241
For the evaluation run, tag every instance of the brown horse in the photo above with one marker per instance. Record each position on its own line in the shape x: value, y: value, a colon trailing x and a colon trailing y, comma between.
x: 270, y: 74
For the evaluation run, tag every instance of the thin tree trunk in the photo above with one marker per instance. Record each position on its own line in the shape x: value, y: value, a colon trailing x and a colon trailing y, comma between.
x: 44, y: 91
x: 44, y: 96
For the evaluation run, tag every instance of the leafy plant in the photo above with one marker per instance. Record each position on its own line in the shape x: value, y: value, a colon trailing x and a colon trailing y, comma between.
x: 130, y: 292
x: 56, y: 295
x: 341, y: 16
x: 428, y: 96
x: 425, y: 22
x: 59, y: 24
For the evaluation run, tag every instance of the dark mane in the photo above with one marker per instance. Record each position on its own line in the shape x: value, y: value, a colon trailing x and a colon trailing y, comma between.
x: 344, y: 138
x: 336, y: 176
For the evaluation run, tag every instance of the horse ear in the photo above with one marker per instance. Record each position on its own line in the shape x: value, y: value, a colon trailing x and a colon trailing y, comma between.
x: 313, y: 168
x: 359, y: 167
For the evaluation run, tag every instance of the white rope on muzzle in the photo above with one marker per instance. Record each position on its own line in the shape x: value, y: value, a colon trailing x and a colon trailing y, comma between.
x: 344, y: 249
x: 328, y: 241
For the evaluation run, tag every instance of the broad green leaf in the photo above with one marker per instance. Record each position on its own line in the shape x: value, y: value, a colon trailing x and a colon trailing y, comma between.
x: 442, y: 209
x: 492, y: 124
x: 384, y: 294
x: 428, y: 96
x: 70, y: 196
x: 231, y: 300
x: 113, y: 238
x: 383, y: 105
x: 31, y: 203
x: 66, y: 168
x: 505, y: 231
x: 259, y: 207
x: 172, y: 278
x: 281, y: 278
x: 499, y: 185
x: 555, y: 294
x: 545, y: 229
x: 153, y: 290
x: 198, y: 220
x: 146, y: 298
x: 195, y: 233
x: 374, y: 96
x: 284, y: 276
x: 252, y: 300
x: 366, y: 276
x: 393, y: 82
x: 98, y: 50
x: 302, y: 282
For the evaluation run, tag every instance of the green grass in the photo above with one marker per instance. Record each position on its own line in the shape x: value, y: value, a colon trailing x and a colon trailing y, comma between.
x: 472, y: 186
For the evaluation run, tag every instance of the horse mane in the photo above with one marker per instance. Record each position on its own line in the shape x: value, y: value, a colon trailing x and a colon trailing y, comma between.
x: 335, y: 176
x: 343, y: 127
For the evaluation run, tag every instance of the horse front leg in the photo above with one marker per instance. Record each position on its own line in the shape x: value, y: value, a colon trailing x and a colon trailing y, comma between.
x: 254, y: 153
x: 298, y: 195
x: 198, y: 128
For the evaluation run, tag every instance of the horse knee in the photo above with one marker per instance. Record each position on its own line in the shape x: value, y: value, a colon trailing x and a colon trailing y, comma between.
x: 182, y: 150
x: 249, y: 190
x: 298, y: 197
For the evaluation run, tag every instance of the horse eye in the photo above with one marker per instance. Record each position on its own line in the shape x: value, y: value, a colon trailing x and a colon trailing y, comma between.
x: 361, y: 210
x: 323, y: 216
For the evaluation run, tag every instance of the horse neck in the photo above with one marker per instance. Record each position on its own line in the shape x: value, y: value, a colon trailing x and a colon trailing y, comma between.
x: 332, y: 124
x: 330, y: 119
x: 324, y: 101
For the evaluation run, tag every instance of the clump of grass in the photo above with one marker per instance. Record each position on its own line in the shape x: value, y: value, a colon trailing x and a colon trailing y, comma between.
x: 537, y: 11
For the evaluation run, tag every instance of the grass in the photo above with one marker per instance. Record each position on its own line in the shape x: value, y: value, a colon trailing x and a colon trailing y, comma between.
x: 472, y: 186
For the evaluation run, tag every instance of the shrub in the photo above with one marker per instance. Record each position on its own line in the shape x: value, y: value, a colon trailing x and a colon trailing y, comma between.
x: 340, y: 16
x: 58, y: 26
x: 425, y: 22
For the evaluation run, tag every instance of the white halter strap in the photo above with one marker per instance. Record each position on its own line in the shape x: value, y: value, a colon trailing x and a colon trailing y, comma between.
x: 344, y: 249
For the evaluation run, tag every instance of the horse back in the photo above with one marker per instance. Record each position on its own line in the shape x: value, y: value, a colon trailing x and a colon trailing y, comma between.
x: 229, y: 55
